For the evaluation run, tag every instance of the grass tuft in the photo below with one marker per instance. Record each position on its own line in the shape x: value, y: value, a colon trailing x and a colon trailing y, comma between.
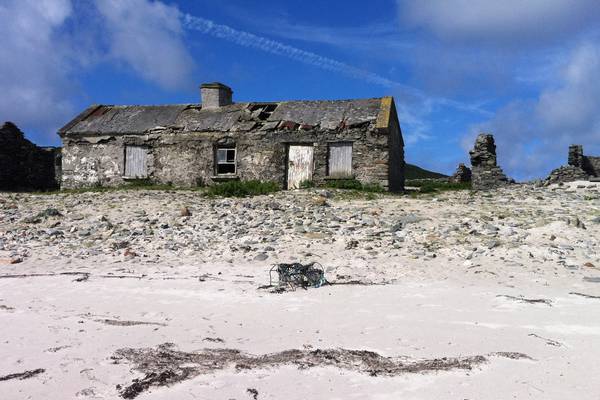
x: 435, y: 186
x: 354, y: 184
x: 242, y: 188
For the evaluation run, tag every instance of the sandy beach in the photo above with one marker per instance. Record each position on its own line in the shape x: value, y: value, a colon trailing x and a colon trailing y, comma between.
x: 161, y: 295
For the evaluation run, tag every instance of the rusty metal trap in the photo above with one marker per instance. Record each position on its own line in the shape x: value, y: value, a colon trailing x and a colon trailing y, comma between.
x: 295, y: 275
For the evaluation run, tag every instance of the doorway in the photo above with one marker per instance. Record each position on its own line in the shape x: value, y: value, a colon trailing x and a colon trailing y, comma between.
x: 300, y: 165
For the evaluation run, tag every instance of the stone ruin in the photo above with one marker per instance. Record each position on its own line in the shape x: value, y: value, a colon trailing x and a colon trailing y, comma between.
x: 461, y: 175
x: 25, y: 166
x: 580, y: 167
x: 486, y: 174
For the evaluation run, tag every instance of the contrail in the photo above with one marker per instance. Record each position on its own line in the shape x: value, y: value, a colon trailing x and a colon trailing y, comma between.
x: 247, y: 39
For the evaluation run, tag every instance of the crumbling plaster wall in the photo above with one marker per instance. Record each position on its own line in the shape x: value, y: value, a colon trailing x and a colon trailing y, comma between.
x: 187, y: 158
x: 92, y: 163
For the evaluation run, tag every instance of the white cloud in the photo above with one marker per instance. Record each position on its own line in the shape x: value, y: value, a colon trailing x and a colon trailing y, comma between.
x: 46, y: 44
x: 573, y: 107
x: 533, y: 136
x: 33, y: 63
x: 516, y: 21
x: 147, y: 36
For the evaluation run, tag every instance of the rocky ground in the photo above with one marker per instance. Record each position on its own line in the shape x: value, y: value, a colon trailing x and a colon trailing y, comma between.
x: 88, y: 278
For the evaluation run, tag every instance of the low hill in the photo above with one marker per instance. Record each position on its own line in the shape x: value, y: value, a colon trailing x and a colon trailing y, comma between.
x: 413, y: 172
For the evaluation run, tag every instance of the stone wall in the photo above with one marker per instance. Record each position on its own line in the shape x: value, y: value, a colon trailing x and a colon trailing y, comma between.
x: 591, y: 165
x: 396, y: 156
x: 187, y: 158
x: 580, y: 167
x: 486, y: 174
x: 567, y: 173
x: 461, y: 175
x: 25, y: 166
x: 575, y: 157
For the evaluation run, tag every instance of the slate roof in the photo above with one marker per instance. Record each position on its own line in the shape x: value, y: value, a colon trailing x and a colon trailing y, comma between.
x: 324, y: 114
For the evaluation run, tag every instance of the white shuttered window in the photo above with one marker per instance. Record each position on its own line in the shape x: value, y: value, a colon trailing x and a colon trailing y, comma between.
x: 136, y: 162
x: 340, y: 160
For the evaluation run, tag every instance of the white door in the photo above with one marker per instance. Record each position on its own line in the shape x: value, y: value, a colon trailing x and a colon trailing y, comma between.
x: 300, y: 165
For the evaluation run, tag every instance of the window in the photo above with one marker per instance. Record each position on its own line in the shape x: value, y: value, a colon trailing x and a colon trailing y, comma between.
x: 136, y: 161
x: 226, y: 161
x: 340, y: 160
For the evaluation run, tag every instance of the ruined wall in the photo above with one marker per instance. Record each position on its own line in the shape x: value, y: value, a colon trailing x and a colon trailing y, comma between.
x: 591, y: 165
x: 485, y: 173
x: 567, y: 173
x: 97, y: 162
x: 396, y: 158
x: 187, y: 158
x: 580, y: 167
x: 461, y: 175
x: 25, y: 166
x: 575, y: 157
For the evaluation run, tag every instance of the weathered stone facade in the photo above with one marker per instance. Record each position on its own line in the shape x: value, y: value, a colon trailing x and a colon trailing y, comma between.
x: 25, y: 166
x: 589, y: 164
x: 461, y: 175
x: 567, y: 173
x: 486, y: 174
x: 580, y: 167
x: 180, y: 142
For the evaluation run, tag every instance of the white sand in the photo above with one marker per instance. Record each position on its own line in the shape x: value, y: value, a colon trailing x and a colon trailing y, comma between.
x: 449, y: 305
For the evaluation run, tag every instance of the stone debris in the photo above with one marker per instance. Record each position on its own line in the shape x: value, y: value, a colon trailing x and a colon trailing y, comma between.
x: 566, y: 173
x: 461, y: 175
x: 118, y: 233
x: 486, y: 174
x: 580, y: 168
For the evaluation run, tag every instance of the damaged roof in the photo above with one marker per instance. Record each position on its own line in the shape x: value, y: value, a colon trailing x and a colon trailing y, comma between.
x: 323, y: 114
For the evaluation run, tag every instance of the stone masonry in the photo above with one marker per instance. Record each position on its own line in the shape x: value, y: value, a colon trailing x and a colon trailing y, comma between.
x: 180, y: 142
x: 461, y: 175
x: 580, y: 167
x: 25, y: 166
x: 486, y: 174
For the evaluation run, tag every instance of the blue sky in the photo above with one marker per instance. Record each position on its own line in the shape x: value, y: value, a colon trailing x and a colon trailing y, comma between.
x: 525, y: 70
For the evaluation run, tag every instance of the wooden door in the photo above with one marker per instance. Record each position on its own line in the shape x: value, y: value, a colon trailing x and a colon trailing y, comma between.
x: 340, y: 160
x: 136, y: 164
x: 300, y: 165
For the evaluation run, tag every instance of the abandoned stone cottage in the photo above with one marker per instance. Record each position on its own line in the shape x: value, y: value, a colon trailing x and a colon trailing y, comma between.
x: 200, y: 144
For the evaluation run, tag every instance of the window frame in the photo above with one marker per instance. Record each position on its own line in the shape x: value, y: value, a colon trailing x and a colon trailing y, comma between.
x: 227, y: 149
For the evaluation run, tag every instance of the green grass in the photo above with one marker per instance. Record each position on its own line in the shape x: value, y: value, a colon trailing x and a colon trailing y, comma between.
x: 353, y: 184
x: 242, y: 188
x: 434, y: 186
x: 306, y: 184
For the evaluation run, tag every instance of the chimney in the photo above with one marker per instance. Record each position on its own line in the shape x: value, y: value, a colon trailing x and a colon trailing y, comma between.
x: 215, y: 95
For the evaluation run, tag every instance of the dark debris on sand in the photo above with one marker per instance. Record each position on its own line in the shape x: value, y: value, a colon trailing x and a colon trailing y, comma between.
x: 165, y: 365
